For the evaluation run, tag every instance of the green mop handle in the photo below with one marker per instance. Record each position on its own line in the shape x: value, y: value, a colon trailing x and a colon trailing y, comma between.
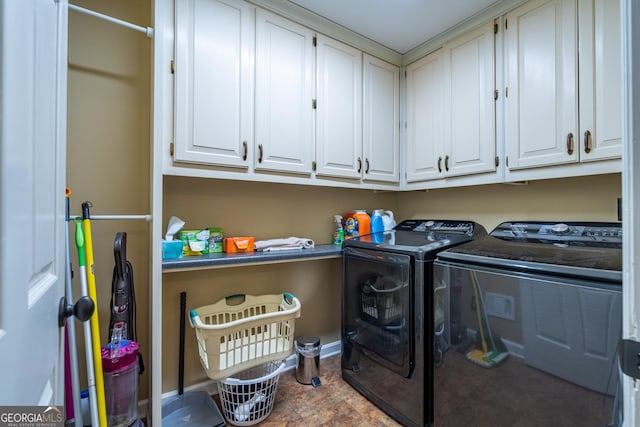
x: 88, y: 343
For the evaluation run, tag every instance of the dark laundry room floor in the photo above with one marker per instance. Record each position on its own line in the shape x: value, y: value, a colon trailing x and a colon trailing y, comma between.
x: 336, y: 403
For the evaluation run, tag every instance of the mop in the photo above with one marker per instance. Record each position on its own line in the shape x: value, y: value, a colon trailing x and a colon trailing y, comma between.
x: 485, y: 357
x: 477, y: 356
x: 73, y: 404
x: 496, y: 355
x: 95, y: 325
x: 91, y: 382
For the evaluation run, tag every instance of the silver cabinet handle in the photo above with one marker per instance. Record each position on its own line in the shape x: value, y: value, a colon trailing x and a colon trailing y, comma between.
x: 587, y: 141
x: 570, y: 143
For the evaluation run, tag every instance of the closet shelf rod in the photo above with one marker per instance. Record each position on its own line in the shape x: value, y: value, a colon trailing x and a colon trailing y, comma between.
x: 148, y: 30
x: 147, y: 217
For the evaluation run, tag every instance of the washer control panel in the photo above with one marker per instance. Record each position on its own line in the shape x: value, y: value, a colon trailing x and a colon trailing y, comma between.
x: 567, y: 232
x: 426, y: 225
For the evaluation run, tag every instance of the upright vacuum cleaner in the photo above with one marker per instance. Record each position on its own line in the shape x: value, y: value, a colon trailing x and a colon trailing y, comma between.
x: 123, y: 297
x: 121, y: 360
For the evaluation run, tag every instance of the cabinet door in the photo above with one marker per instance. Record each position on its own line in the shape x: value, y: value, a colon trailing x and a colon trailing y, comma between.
x: 284, y: 94
x: 470, y: 107
x: 600, y: 80
x: 381, y: 144
x: 214, y: 81
x: 339, y: 109
x: 541, y: 94
x: 425, y: 118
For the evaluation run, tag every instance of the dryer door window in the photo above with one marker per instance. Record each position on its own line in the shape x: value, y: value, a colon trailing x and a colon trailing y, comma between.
x: 377, y: 311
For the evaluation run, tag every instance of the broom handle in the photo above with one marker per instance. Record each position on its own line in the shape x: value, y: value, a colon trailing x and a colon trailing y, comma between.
x: 484, y: 312
x: 478, y: 308
x: 91, y: 382
x: 95, y: 324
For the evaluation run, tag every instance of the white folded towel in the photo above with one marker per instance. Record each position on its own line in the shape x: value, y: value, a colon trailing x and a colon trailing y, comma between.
x: 288, y: 243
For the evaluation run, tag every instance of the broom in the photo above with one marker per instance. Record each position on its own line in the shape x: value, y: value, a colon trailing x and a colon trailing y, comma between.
x: 496, y: 355
x: 479, y: 356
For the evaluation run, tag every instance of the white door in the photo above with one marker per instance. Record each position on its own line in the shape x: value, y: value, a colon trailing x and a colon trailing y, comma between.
x: 214, y: 82
x: 381, y: 128
x: 425, y: 118
x: 33, y: 48
x: 631, y: 196
x: 541, y: 101
x: 339, y: 109
x: 284, y: 95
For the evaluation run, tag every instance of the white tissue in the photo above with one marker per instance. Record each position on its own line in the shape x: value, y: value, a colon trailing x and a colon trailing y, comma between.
x: 175, y: 225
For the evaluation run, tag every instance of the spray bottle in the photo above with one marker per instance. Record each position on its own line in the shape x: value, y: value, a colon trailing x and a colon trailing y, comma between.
x: 338, y: 234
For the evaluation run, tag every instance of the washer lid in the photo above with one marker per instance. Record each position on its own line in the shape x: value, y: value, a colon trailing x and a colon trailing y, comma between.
x: 589, y: 234
x: 585, y: 250
x: 420, y: 238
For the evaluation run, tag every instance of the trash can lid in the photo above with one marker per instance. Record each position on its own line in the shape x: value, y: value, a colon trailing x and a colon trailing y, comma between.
x: 308, y: 342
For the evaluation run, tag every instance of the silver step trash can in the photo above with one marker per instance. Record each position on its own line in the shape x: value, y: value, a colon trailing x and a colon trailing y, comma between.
x: 308, y: 353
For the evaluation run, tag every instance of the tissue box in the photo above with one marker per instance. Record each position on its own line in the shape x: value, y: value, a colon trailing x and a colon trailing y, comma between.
x: 232, y: 245
x: 195, y: 242
x: 171, y: 249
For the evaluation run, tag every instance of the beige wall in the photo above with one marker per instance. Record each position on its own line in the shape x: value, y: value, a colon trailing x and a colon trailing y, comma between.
x: 108, y: 146
x: 590, y: 198
x: 108, y: 164
x: 265, y: 210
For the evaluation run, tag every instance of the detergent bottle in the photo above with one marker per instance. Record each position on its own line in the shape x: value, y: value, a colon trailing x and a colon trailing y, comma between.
x: 357, y: 223
x: 377, y: 222
x: 377, y: 226
x: 364, y: 222
x: 388, y: 220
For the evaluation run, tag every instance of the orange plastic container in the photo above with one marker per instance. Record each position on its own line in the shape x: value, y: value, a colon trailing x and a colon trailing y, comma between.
x: 232, y: 245
x: 356, y: 223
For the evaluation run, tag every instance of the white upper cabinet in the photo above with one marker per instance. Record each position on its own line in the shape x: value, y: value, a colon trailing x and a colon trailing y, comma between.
x: 339, y: 109
x: 600, y: 74
x: 425, y: 128
x: 563, y: 102
x: 214, y: 48
x: 284, y: 95
x: 470, y: 118
x: 381, y: 133
x: 451, y: 109
x: 541, y: 112
x: 256, y: 99
x: 357, y: 123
